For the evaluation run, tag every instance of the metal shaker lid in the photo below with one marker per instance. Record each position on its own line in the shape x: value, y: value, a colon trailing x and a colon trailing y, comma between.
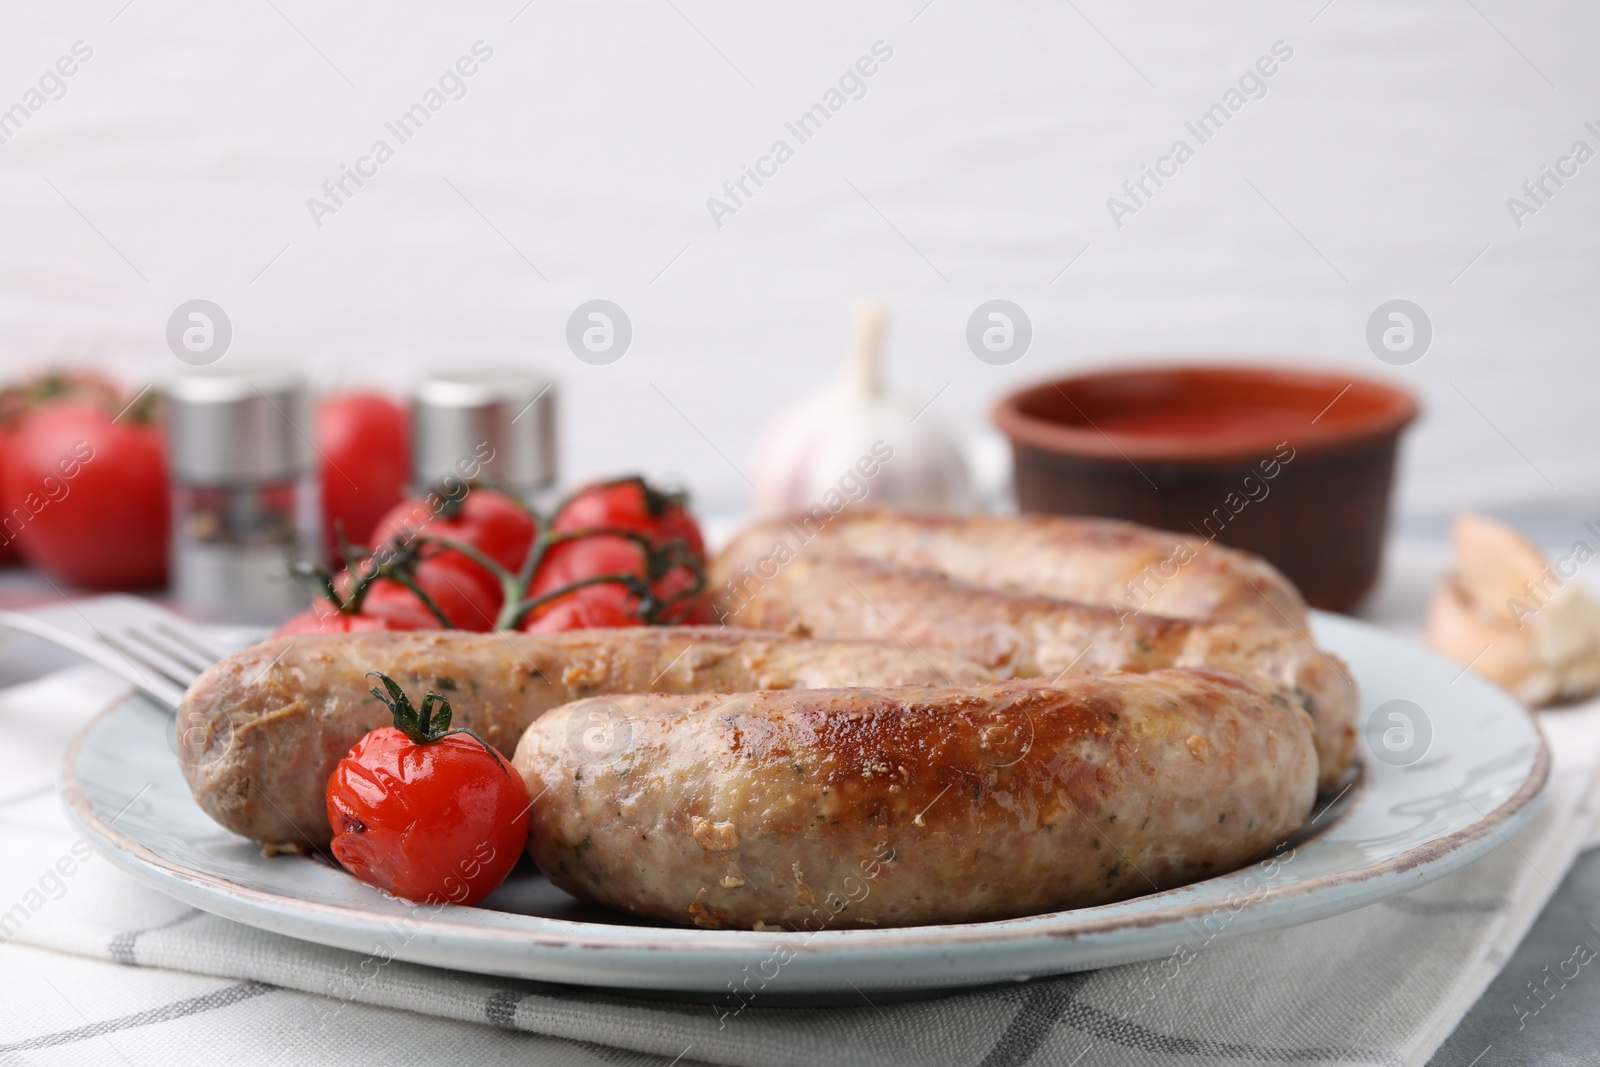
x: 228, y: 429
x: 459, y: 418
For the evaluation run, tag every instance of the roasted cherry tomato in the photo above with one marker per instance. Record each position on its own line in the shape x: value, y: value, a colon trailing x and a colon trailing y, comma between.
x: 683, y: 609
x: 495, y: 523
x: 609, y: 603
x: 621, y: 528
x: 425, y: 812
x: 324, y: 618
x: 86, y: 494
x: 566, y: 562
x: 364, y: 440
x: 594, y: 606
x: 630, y: 504
x: 468, y: 601
x: 455, y: 584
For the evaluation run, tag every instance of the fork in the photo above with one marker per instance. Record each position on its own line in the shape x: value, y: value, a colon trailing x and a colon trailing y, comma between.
x: 141, y: 642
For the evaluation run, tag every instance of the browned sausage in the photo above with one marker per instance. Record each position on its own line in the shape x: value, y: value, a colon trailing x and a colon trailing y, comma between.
x: 1033, y: 636
x: 1104, y: 562
x: 259, y: 733
x: 893, y: 807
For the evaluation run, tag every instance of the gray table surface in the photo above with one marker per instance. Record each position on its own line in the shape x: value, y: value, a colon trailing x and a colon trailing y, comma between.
x: 1529, y: 1013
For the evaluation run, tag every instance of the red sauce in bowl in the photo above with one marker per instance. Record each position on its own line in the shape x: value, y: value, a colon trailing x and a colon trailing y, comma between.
x: 1202, y: 413
x: 1293, y: 465
x: 1208, y: 422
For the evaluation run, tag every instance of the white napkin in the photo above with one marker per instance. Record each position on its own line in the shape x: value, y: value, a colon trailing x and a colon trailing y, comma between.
x: 1383, y: 985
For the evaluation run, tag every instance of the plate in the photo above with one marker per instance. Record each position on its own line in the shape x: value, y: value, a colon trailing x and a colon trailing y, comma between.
x: 1451, y: 767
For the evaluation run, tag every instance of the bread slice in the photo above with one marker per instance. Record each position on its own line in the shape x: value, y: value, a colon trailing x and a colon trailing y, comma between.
x: 1513, y: 618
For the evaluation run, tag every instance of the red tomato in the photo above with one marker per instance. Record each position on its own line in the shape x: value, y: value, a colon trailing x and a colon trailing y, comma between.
x: 469, y: 599
x: 629, y: 505
x: 324, y: 618
x: 588, y: 557
x: 604, y: 604
x: 88, y: 496
x: 496, y: 524
x: 8, y: 543
x: 19, y: 400
x: 600, y: 554
x: 365, y: 445
x: 683, y: 610
x: 594, y: 606
x: 426, y: 814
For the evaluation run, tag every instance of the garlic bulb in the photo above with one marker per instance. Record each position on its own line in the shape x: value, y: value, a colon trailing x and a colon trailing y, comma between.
x: 858, y: 441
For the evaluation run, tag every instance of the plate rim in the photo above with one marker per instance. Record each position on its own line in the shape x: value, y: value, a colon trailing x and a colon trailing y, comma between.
x: 1076, y: 924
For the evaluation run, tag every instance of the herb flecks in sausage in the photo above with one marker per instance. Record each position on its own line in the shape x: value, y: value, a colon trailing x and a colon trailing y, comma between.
x: 279, y: 715
x: 978, y: 833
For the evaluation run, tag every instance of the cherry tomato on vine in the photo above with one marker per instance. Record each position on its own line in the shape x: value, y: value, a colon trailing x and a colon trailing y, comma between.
x: 454, y: 583
x: 683, y: 609
x: 629, y: 504
x: 495, y: 523
x: 323, y: 618
x: 425, y: 812
x: 594, y: 606
x: 566, y: 562
x: 468, y: 601
x: 610, y: 603
x: 607, y: 604
x: 615, y: 528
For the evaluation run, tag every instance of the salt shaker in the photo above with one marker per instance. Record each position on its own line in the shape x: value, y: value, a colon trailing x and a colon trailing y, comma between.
x: 244, y: 495
x: 495, y: 426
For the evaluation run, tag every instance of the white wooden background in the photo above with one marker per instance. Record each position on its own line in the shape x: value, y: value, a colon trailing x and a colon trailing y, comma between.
x: 178, y: 163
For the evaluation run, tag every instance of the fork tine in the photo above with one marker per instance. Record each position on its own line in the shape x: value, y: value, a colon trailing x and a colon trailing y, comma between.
x: 176, y: 644
x: 135, y: 646
x: 188, y: 638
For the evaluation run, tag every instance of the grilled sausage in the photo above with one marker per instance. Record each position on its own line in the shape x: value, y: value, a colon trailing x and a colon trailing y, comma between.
x: 259, y: 733
x: 1119, y: 565
x: 844, y: 808
x: 1034, y: 636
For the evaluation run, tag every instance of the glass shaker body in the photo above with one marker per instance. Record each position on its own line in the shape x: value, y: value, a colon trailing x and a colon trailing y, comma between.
x: 244, y: 495
x: 233, y: 547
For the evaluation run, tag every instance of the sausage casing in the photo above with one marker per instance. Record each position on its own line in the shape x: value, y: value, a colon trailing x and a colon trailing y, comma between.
x: 891, y: 807
x: 1036, y: 636
x: 1105, y: 562
x: 259, y: 733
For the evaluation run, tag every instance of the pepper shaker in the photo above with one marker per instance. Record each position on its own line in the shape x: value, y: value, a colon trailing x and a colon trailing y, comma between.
x: 499, y: 427
x: 244, y: 495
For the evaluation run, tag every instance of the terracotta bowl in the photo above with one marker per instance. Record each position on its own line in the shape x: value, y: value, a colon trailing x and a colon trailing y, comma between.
x: 1293, y: 465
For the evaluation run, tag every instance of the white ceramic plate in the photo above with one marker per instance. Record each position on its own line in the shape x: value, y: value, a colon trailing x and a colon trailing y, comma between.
x: 1395, y: 828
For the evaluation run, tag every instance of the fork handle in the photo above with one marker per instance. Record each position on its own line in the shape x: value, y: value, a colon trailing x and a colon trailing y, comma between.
x: 159, y: 689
